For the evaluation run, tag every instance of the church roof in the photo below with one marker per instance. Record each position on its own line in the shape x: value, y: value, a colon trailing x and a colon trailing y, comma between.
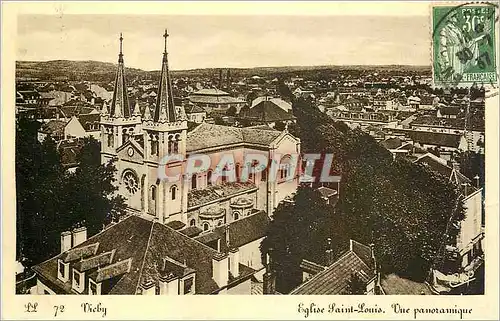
x: 210, y: 92
x: 211, y: 135
x: 132, y: 252
x: 165, y: 107
x: 119, y: 105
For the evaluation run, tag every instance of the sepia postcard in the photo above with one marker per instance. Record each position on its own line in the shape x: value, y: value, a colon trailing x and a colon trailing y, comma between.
x: 306, y: 160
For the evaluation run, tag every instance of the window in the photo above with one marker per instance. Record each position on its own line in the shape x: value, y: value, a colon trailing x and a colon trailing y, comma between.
x: 206, y: 227
x: 110, y: 140
x: 236, y: 215
x: 92, y: 288
x: 131, y: 182
x: 153, y: 192
x: 62, y: 269
x: 192, y: 222
x: 193, y: 181
x: 188, y: 285
x: 237, y: 172
x: 209, y: 178
x: 154, y: 147
x: 173, y: 192
x: 76, y: 277
x: 219, y: 223
x: 263, y: 175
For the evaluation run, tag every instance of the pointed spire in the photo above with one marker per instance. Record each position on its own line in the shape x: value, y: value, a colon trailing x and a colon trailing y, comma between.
x: 147, y: 114
x: 137, y: 110
x: 165, y: 107
x: 104, y: 110
x: 119, y: 105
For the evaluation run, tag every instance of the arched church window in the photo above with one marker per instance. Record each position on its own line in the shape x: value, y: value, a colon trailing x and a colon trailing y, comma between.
x: 205, y: 226
x: 110, y: 140
x: 219, y: 223
x: 236, y: 215
x: 193, y: 181
x: 192, y: 222
x: 209, y: 178
x: 173, y: 192
x: 238, y: 169
x: 131, y: 182
x: 153, y: 192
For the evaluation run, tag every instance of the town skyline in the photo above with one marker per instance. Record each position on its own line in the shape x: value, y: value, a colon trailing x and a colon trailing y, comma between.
x: 263, y: 41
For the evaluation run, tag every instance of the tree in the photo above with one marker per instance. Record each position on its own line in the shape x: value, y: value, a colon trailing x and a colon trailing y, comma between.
x: 280, y: 126
x: 90, y: 199
x: 50, y: 200
x: 231, y: 111
x: 355, y: 286
x: 401, y: 207
x: 299, y: 230
x: 39, y: 194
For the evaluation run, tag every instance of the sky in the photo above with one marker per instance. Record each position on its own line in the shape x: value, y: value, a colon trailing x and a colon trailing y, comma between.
x: 232, y: 41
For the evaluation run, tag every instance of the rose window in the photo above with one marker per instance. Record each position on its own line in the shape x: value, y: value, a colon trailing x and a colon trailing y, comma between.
x: 130, y: 182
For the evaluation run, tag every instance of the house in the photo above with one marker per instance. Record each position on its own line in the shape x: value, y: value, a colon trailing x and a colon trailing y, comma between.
x: 267, y: 112
x: 91, y: 124
x: 448, y: 112
x: 195, y: 113
x: 140, y: 257
x: 215, y: 100
x: 334, y: 278
x: 277, y: 101
x: 465, y: 255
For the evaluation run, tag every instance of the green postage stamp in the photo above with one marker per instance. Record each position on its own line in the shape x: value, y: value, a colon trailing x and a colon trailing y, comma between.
x: 464, y: 45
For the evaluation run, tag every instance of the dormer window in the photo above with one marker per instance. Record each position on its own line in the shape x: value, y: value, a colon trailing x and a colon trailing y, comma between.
x: 189, y: 285
x: 62, y: 270
x: 78, y: 281
x: 76, y: 278
x: 94, y: 288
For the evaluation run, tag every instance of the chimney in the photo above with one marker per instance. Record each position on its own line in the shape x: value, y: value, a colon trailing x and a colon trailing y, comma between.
x: 169, y: 285
x: 148, y: 287
x: 372, y: 252
x: 220, y: 271
x: 65, y: 241
x: 234, y: 262
x: 329, y: 251
x: 476, y: 178
x: 79, y: 235
x: 269, y: 286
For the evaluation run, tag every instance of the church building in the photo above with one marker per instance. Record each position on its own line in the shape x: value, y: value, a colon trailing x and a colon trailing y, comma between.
x: 139, y: 140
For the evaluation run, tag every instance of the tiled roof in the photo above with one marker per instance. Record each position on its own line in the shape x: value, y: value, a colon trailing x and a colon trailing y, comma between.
x: 311, y: 267
x: 391, y: 143
x: 433, y: 138
x: 79, y: 253
x: 141, y: 248
x: 393, y: 284
x: 215, y: 192
x: 89, y: 120
x: 191, y: 231
x: 334, y: 279
x: 210, y: 92
x: 241, y: 232
x: 94, y: 261
x: 211, y: 135
x: 267, y: 111
x: 54, y: 127
x: 193, y: 109
x: 438, y: 165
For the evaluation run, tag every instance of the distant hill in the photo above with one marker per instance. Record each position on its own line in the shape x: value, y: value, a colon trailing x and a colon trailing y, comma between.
x: 104, y: 71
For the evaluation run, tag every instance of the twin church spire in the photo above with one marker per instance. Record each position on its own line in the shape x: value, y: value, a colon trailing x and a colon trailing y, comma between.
x: 164, y: 109
x: 119, y: 105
